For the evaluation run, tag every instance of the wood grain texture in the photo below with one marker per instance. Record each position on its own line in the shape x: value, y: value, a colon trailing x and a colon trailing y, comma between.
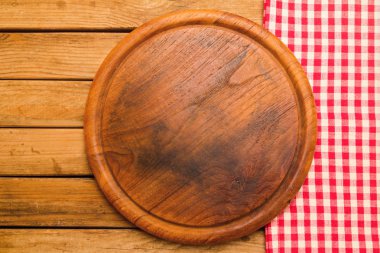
x: 42, y: 152
x: 36, y: 202
x: 55, y: 202
x: 111, y: 241
x: 53, y: 55
x: 107, y: 14
x: 200, y: 127
x: 42, y: 103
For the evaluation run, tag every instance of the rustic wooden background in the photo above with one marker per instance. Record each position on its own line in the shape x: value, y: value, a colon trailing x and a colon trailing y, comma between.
x: 49, y: 53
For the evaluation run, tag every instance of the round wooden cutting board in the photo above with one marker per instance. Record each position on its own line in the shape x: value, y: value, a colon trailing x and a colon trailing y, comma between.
x: 200, y: 127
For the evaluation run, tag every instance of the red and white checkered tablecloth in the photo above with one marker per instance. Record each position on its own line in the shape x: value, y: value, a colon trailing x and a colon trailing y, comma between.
x: 338, y: 44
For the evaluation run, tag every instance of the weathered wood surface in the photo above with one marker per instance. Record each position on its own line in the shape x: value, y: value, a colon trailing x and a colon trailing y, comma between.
x: 62, y: 55
x: 65, y: 202
x: 107, y: 14
x: 47, y: 152
x: 111, y: 241
x: 42, y: 103
x: 55, y: 202
x: 54, y: 55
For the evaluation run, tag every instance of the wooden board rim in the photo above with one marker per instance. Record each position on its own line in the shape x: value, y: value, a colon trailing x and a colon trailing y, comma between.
x: 188, y: 234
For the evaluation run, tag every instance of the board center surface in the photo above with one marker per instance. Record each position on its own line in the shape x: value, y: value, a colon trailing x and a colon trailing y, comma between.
x: 199, y: 126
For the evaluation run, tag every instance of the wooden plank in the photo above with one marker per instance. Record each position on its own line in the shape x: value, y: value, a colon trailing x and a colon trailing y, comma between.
x: 55, y: 202
x: 107, y: 14
x: 111, y: 240
x: 43, y: 103
x: 28, y: 151
x: 54, y: 55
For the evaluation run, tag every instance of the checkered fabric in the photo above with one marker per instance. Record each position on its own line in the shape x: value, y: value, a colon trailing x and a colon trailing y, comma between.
x: 338, y: 44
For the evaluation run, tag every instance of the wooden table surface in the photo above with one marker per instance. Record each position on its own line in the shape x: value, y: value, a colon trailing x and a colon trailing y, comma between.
x: 49, y: 53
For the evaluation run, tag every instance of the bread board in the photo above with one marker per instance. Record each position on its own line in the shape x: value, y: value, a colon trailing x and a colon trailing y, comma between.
x: 200, y: 127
